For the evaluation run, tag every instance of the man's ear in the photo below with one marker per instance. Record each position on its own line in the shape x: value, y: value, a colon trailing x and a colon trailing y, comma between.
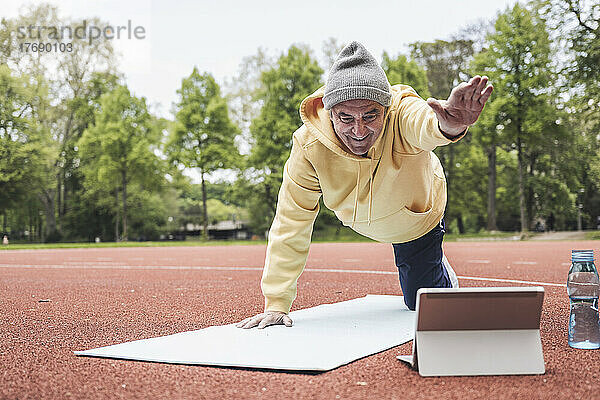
x: 331, y: 114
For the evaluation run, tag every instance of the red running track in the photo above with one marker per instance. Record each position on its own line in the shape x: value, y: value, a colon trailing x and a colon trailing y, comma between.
x: 55, y: 301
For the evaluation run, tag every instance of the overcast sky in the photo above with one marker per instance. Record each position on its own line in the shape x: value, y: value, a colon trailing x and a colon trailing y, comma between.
x: 216, y: 35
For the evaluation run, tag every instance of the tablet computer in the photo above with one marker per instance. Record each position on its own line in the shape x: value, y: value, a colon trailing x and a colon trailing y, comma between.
x: 478, y: 331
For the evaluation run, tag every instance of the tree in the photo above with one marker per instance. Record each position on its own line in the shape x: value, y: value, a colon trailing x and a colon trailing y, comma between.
x: 576, y: 32
x: 78, y: 212
x: 119, y: 149
x: 407, y: 72
x: 243, y: 93
x: 446, y: 64
x: 577, y: 25
x: 284, y: 86
x: 203, y: 136
x: 64, y: 75
x: 518, y: 61
x: 21, y: 145
x: 330, y: 49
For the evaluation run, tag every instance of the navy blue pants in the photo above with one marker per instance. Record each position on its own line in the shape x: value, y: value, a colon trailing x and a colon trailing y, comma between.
x: 420, y: 265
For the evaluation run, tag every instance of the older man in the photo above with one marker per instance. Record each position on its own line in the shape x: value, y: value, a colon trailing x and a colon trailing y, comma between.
x: 366, y: 148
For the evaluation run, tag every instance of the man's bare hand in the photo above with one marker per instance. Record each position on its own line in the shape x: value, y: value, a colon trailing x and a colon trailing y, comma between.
x: 464, y: 105
x: 265, y: 319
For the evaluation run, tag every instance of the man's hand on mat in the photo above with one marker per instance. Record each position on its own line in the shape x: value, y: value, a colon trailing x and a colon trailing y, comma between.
x: 265, y: 319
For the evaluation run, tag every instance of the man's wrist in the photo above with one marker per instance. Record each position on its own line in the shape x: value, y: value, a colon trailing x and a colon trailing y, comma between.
x: 450, y: 135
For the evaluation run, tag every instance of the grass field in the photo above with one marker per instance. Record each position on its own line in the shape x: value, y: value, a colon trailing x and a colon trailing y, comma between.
x: 344, y: 236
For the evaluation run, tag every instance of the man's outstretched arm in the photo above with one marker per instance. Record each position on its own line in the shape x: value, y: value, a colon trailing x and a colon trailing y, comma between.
x: 463, y: 107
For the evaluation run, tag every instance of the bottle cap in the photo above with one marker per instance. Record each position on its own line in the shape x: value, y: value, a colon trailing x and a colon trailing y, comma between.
x: 582, y: 255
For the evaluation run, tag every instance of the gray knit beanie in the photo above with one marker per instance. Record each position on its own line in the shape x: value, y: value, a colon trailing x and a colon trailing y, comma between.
x: 355, y: 74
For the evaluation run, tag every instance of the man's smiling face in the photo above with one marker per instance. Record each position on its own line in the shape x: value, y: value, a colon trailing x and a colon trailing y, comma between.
x: 357, y: 124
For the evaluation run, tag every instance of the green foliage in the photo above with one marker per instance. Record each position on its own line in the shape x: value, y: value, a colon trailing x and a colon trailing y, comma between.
x: 295, y: 76
x: 243, y: 90
x: 257, y: 191
x: 466, y: 197
x: 78, y: 152
x: 575, y: 26
x: 327, y: 222
x: 189, y: 205
x: 518, y: 62
x: 584, y: 42
x: 203, y: 136
x: 21, y: 145
x: 118, y: 151
x: 59, y: 79
x: 284, y: 86
x: 219, y: 211
x: 401, y: 70
x: 121, y: 141
x: 148, y: 213
x: 330, y: 49
x: 446, y: 63
x: 507, y: 193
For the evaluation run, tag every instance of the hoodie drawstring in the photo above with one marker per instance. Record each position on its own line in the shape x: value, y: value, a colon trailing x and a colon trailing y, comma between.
x: 370, y: 189
x: 356, y: 196
x: 369, y: 218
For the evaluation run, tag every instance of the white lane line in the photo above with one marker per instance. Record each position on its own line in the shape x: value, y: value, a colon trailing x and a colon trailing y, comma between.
x: 478, y: 261
x: 525, y: 262
x: 191, y: 267
x: 114, y: 266
x: 475, y: 278
x: 351, y: 271
x: 91, y: 263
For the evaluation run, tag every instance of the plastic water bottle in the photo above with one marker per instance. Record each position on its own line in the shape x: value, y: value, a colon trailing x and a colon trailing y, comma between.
x: 583, y: 287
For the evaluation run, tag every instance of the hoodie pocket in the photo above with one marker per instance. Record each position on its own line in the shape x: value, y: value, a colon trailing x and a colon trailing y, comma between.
x: 417, y: 215
x: 402, y: 226
x: 417, y: 221
x: 422, y: 221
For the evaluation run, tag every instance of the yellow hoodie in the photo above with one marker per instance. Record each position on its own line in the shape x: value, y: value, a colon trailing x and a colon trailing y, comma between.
x: 395, y: 194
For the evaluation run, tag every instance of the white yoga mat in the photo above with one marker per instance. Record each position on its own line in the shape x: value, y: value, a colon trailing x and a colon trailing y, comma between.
x: 322, y: 338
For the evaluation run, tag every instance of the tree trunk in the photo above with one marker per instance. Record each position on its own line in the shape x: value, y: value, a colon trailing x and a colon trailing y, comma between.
x: 4, y: 223
x: 204, y: 210
x: 529, y: 207
x: 491, y: 203
x: 521, y: 186
x: 68, y: 129
x: 519, y: 126
x: 530, y: 194
x: 460, y: 223
x: 58, y: 201
x: 47, y: 199
x: 64, y: 194
x: 29, y: 224
x: 40, y: 229
x: 117, y: 215
x: 124, y: 175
